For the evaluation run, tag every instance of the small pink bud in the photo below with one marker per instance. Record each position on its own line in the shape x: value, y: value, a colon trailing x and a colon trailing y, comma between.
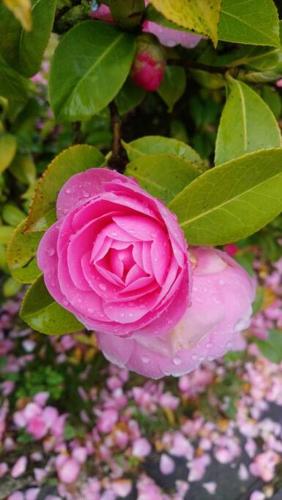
x: 149, y: 66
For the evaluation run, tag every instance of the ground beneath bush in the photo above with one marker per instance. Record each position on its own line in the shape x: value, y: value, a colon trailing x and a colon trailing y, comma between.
x: 72, y: 426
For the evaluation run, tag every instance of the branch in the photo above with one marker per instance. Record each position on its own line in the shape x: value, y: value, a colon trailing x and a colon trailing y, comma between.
x: 117, y: 160
x: 195, y: 65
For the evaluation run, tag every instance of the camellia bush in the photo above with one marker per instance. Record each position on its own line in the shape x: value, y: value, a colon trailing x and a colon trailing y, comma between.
x: 138, y: 140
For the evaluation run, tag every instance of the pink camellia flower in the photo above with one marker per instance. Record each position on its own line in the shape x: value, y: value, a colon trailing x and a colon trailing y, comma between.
x: 222, y: 293
x: 116, y: 258
x: 149, y: 65
x: 170, y: 37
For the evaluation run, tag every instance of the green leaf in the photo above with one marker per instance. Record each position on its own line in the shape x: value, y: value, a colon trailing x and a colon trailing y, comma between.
x: 271, y: 348
x: 272, y: 99
x: 155, y: 144
x: 11, y: 287
x: 89, y: 67
x: 44, y: 315
x: 173, y: 86
x: 247, y: 124
x: 8, y: 146
x: 231, y: 201
x: 253, y: 22
x: 71, y: 161
x: 5, y: 234
x: 13, y: 87
x: 197, y: 15
x: 162, y: 175
x: 23, y: 169
x: 12, y: 215
x: 21, y: 9
x: 129, y: 97
x: 21, y: 252
x: 23, y: 50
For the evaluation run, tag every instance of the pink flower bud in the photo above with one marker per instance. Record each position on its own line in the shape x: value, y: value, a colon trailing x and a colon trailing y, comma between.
x: 149, y: 65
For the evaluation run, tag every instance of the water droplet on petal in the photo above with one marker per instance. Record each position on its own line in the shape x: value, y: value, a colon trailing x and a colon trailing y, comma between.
x: 102, y: 287
x: 68, y: 191
x: 51, y: 252
x: 145, y: 360
x: 176, y: 361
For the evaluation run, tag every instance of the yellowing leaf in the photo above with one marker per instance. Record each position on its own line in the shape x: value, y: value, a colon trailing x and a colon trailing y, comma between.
x: 198, y: 15
x: 22, y: 11
x: 8, y: 146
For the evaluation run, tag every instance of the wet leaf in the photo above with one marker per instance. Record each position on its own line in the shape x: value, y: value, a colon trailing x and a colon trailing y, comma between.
x: 233, y: 200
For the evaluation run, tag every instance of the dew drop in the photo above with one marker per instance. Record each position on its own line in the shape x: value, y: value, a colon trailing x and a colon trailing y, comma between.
x: 102, y: 287
x: 51, y: 252
x: 68, y: 191
x: 177, y: 361
x: 145, y: 360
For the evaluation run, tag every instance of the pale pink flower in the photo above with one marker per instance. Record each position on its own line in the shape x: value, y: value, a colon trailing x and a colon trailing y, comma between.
x: 171, y: 37
x: 220, y: 309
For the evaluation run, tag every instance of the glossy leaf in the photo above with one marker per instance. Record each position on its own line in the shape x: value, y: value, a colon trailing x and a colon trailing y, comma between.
x: 271, y: 348
x: 21, y: 252
x: 173, y: 85
x: 21, y: 9
x: 155, y: 144
x: 247, y: 124
x: 253, y: 22
x: 44, y: 315
x: 129, y: 97
x: 14, y: 87
x: 23, y: 50
x: 8, y: 146
x: 162, y: 175
x: 71, y: 161
x: 231, y: 201
x: 89, y: 68
x: 198, y: 15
